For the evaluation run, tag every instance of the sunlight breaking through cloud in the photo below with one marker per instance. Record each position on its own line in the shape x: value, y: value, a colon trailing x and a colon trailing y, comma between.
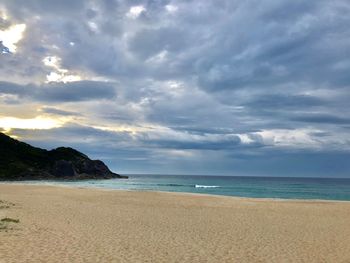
x: 60, y: 74
x: 11, y: 36
x: 135, y: 11
x: 41, y: 123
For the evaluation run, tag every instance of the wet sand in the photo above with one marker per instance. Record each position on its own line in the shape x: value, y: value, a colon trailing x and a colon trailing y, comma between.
x: 61, y: 224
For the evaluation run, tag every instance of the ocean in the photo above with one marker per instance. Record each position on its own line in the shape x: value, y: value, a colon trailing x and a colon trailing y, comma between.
x: 258, y: 187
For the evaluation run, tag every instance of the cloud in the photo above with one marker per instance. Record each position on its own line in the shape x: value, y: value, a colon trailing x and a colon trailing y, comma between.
x: 61, y: 92
x: 4, y: 49
x: 75, y: 91
x: 184, y: 85
x: 135, y: 11
x: 23, y: 8
x: 55, y: 111
x: 285, y: 101
x: 322, y: 118
x: 11, y: 36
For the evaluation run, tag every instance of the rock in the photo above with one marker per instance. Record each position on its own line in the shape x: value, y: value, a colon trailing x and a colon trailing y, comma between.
x: 62, y: 168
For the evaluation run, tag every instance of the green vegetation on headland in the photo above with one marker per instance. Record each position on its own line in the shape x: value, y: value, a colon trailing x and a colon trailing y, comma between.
x: 21, y: 161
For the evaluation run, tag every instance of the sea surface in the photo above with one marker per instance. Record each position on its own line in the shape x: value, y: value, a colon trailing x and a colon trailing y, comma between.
x: 260, y: 187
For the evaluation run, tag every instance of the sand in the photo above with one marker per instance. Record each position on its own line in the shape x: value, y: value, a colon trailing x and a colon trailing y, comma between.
x: 61, y: 224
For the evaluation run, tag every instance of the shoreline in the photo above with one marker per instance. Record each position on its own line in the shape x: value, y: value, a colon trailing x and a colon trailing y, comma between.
x: 72, y: 224
x: 180, y: 193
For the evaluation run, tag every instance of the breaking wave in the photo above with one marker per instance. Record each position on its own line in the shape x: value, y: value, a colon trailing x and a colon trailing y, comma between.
x: 206, y: 186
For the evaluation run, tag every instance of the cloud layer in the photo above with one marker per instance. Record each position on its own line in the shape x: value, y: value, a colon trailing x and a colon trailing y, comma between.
x: 228, y: 87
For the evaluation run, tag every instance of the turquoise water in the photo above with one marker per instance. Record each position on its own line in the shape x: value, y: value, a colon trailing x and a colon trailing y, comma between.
x: 260, y: 187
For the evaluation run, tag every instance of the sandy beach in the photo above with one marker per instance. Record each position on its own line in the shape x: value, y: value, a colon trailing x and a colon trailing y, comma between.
x: 61, y: 224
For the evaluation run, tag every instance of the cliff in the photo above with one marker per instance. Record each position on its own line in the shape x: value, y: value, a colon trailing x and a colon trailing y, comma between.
x: 21, y: 161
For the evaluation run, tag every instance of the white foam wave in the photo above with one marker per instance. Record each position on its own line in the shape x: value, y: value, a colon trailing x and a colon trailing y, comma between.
x: 206, y: 186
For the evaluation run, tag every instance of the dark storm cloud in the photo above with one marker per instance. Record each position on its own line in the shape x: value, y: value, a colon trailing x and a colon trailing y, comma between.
x: 56, y: 111
x: 226, y: 142
x: 11, y: 88
x: 280, y: 101
x: 215, y: 80
x: 202, y: 130
x: 150, y: 42
x: 75, y: 91
x: 322, y: 118
x: 279, y: 50
x: 20, y: 8
x: 61, y: 92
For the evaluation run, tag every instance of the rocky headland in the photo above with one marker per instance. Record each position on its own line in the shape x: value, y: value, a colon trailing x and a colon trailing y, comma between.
x: 21, y: 161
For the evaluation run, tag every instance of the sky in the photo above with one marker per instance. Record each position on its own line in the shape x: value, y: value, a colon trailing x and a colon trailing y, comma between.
x: 258, y: 88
